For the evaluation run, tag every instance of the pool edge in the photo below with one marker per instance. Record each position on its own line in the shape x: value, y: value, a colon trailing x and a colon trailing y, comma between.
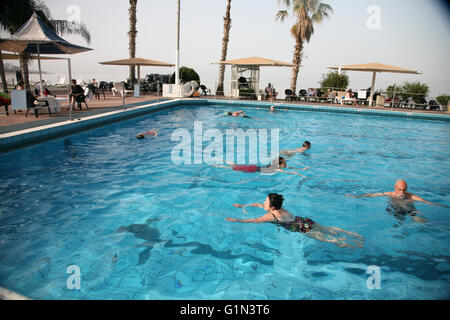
x: 19, y: 139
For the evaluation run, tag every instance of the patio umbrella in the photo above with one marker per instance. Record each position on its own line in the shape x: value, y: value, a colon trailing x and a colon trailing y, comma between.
x: 35, y: 37
x: 374, y: 68
x: 137, y: 62
x: 255, y: 61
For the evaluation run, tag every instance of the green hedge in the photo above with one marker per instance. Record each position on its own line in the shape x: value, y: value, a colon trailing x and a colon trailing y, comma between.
x: 443, y: 99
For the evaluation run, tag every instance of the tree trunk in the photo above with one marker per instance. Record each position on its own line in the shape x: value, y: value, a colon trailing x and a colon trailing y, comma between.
x: 132, y: 35
x: 23, y: 57
x: 226, y: 37
x: 297, y: 61
x: 2, y: 72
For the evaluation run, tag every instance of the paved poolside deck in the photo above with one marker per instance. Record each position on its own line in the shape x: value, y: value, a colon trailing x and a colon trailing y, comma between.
x: 18, y: 121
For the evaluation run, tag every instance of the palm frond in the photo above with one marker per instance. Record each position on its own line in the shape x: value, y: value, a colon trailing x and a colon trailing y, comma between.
x: 63, y: 27
x: 281, y: 15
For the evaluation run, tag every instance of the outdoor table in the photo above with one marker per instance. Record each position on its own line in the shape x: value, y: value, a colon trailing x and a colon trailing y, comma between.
x: 54, y: 103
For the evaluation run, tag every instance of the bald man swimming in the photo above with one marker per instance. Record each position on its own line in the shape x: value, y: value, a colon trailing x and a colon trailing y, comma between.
x: 402, y: 202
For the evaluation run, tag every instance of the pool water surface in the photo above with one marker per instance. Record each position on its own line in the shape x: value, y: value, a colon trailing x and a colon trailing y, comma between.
x: 139, y: 226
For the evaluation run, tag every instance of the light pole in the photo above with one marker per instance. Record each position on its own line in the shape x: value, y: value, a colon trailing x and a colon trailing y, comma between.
x: 177, y: 71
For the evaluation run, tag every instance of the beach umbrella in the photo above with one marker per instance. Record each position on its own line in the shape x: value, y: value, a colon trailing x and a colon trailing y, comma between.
x: 137, y: 62
x: 375, y: 68
x: 35, y: 37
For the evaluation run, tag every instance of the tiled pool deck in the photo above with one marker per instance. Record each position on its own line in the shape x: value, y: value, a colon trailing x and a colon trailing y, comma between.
x: 21, y: 135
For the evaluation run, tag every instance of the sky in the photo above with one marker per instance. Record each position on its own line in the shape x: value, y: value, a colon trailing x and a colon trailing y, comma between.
x: 413, y: 34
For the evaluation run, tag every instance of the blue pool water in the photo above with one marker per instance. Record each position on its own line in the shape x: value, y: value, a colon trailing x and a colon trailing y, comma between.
x: 140, y: 227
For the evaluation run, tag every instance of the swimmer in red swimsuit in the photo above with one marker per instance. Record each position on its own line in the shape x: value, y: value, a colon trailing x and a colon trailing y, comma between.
x: 276, y: 214
x: 142, y: 134
x: 274, y: 167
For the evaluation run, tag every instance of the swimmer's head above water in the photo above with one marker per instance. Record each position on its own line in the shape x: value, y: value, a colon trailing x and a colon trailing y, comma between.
x: 273, y: 201
x: 142, y: 134
x: 307, y: 145
x: 278, y: 163
x: 400, y: 189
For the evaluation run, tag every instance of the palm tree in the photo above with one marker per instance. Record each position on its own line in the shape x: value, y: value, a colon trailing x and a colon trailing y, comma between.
x: 132, y: 34
x: 307, y: 12
x: 225, y: 39
x: 16, y: 12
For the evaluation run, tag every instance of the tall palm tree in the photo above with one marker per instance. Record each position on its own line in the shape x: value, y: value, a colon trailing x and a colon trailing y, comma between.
x: 132, y: 34
x: 16, y: 12
x: 225, y: 39
x: 307, y: 12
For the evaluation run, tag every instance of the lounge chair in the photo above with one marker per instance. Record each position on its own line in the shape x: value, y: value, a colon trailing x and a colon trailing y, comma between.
x: 302, y: 94
x: 205, y: 90
x: 434, y: 105
x: 290, y: 95
x: 119, y: 87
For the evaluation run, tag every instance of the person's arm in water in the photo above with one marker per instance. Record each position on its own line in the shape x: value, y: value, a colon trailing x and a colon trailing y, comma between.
x: 298, y: 174
x: 293, y: 151
x: 371, y: 195
x: 258, y: 205
x: 417, y: 198
x: 268, y: 217
x: 305, y: 168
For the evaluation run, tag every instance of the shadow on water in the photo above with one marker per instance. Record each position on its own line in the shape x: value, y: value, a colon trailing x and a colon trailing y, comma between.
x: 205, y: 249
x: 144, y: 232
x: 420, y: 265
x: 152, y: 237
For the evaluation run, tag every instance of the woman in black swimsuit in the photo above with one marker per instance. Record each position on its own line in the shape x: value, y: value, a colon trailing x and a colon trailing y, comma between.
x: 276, y: 214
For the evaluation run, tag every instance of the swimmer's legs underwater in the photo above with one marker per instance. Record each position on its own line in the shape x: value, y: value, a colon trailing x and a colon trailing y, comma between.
x: 327, y: 234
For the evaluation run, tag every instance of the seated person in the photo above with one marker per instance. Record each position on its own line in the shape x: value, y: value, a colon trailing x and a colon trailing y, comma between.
x: 37, y: 90
x: 330, y: 95
x: 270, y: 92
x: 32, y: 102
x: 77, y: 94
x: 349, y: 97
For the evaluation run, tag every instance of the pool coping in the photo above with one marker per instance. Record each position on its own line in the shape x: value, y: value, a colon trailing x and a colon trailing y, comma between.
x: 6, y: 294
x: 18, y: 139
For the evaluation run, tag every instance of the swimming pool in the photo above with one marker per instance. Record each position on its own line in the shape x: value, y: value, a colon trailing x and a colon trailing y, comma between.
x: 141, y: 227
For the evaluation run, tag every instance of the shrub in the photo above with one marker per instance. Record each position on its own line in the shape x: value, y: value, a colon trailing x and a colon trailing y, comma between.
x: 186, y: 75
x: 334, y: 80
x: 418, y: 91
x: 443, y: 99
x: 390, y: 90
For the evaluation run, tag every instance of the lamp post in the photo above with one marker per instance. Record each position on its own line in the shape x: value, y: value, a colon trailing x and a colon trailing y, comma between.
x: 177, y: 71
